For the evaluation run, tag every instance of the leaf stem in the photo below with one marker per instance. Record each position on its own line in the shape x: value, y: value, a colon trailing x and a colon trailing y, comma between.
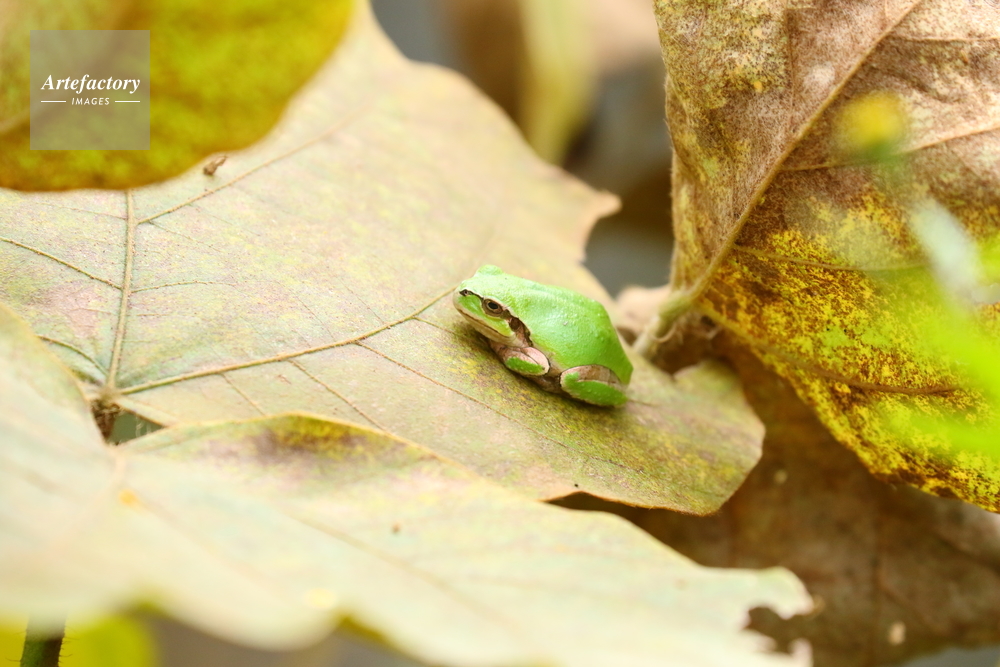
x: 41, y: 649
x: 105, y: 414
x: 660, y: 325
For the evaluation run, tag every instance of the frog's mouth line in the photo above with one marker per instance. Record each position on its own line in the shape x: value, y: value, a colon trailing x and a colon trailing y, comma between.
x: 520, y: 337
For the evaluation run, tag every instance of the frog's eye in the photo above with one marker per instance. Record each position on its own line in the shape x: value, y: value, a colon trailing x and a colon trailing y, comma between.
x: 492, y: 306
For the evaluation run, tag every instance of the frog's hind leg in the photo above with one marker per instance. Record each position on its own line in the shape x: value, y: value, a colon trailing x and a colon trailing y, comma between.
x: 522, y: 360
x: 593, y: 384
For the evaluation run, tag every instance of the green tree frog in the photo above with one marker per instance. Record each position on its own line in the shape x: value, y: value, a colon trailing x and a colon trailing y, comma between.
x: 560, y: 339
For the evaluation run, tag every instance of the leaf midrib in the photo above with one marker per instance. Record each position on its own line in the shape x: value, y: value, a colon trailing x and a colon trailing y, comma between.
x: 286, y: 355
x: 110, y: 387
x: 126, y: 294
x: 703, y: 282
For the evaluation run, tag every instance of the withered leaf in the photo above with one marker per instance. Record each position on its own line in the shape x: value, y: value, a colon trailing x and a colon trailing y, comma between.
x: 895, y: 572
x: 766, y: 201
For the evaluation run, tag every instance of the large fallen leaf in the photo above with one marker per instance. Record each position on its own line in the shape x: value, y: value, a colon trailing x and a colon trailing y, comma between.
x: 896, y: 573
x: 766, y: 201
x: 314, y: 273
x: 221, y: 73
x: 266, y: 531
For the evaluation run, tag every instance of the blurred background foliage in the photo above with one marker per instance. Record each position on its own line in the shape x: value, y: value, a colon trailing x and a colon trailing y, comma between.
x: 584, y: 82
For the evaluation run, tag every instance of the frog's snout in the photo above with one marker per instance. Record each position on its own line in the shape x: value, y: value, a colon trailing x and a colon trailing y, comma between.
x: 456, y: 296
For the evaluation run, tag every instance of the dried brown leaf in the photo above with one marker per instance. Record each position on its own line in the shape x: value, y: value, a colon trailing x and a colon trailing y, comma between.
x: 766, y: 202
x: 895, y: 573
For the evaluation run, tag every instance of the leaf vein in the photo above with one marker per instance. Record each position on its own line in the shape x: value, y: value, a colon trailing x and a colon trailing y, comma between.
x: 336, y: 127
x: 701, y: 285
x: 819, y: 370
x: 825, y: 265
x: 183, y: 283
x: 564, y: 445
x: 336, y: 393
x: 939, y: 141
x: 73, y: 348
x: 241, y: 393
x: 282, y: 357
x: 58, y: 260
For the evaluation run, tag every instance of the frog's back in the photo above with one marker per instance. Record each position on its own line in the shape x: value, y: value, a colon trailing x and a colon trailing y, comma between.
x: 577, y: 330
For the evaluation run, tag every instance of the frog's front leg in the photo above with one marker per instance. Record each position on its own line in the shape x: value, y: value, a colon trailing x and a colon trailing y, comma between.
x: 593, y: 384
x: 523, y: 360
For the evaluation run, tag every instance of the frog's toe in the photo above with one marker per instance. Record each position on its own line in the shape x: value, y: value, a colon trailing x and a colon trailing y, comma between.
x: 593, y: 384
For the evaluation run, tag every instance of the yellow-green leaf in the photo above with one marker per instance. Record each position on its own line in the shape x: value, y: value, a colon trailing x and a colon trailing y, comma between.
x: 314, y: 272
x: 221, y: 73
x: 268, y: 531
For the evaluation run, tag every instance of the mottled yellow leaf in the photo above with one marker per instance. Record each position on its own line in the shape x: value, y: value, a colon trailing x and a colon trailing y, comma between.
x: 785, y: 235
